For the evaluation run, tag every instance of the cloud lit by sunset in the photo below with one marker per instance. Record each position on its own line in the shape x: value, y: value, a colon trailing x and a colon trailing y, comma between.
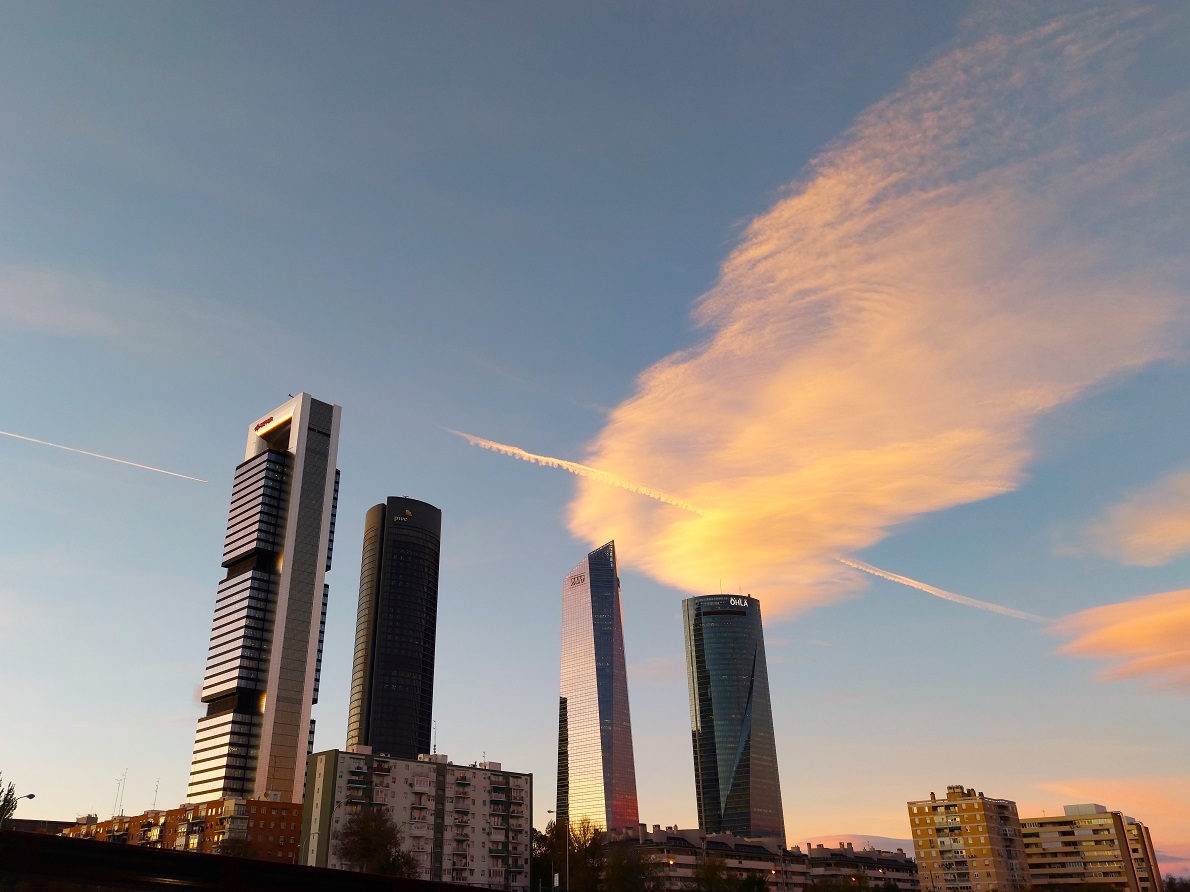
x: 883, y: 339
x: 1148, y: 528
x: 1146, y: 639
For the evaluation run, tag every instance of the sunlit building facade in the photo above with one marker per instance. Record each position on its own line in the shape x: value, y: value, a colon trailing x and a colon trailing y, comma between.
x: 968, y: 842
x: 731, y: 718
x: 596, y: 769
x: 469, y: 825
x: 1089, y: 845
x: 392, y: 679
x: 261, y: 679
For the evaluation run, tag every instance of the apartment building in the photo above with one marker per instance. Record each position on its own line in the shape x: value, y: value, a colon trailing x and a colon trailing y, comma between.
x: 968, y: 842
x: 680, y: 852
x: 265, y: 828
x: 1089, y: 845
x: 881, y: 869
x: 465, y: 824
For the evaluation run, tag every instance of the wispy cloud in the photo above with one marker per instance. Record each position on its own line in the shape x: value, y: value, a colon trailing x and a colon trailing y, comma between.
x: 983, y: 246
x: 1147, y: 638
x: 940, y: 592
x: 1148, y: 528
x: 121, y: 461
x: 604, y: 477
x: 50, y: 301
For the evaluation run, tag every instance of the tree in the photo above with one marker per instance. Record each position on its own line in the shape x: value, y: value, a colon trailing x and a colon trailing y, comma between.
x: 586, y: 857
x: 237, y: 848
x: 542, y: 848
x: 626, y: 870
x: 752, y: 882
x: 1176, y: 884
x: 8, y: 801
x: 857, y: 882
x: 370, y: 842
x: 712, y: 876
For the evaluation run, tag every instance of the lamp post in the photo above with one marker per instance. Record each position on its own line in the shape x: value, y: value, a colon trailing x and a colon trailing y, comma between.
x: 550, y: 811
x: 18, y: 799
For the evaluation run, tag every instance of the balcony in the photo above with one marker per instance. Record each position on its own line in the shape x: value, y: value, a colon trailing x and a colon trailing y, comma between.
x: 418, y: 828
x: 462, y: 781
x: 381, y: 767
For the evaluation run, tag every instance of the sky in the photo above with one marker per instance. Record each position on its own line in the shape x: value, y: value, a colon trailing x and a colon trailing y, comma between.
x: 780, y: 297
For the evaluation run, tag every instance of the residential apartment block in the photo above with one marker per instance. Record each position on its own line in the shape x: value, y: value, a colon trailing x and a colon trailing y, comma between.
x: 680, y: 852
x: 465, y: 824
x: 1089, y: 845
x: 968, y: 842
x: 268, y: 829
x: 878, y: 867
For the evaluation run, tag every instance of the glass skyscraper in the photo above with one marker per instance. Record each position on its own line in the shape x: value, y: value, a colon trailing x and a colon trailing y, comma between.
x: 263, y: 664
x: 731, y: 718
x: 392, y: 678
x: 596, y: 771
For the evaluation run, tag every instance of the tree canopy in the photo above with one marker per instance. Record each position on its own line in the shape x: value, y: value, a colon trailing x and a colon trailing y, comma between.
x: 370, y: 842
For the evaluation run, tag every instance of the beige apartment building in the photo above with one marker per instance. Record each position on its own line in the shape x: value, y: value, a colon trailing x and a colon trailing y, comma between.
x: 968, y: 842
x: 1089, y: 845
x: 464, y: 824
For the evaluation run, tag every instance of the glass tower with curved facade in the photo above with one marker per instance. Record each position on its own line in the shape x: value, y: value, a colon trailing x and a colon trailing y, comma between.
x: 392, y: 677
x: 731, y: 718
x: 596, y: 770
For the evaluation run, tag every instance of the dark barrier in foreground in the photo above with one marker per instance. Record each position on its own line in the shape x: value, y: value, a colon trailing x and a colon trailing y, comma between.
x: 33, y: 862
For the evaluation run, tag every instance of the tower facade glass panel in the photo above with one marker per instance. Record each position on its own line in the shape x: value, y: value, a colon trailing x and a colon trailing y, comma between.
x: 731, y: 718
x: 392, y: 679
x: 265, y: 654
x: 596, y: 770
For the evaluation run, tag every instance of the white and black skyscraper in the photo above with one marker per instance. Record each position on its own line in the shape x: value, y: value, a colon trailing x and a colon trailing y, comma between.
x: 270, y: 610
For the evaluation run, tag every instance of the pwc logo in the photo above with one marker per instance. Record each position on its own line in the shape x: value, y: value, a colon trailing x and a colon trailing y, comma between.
x: 264, y: 423
x: 739, y: 602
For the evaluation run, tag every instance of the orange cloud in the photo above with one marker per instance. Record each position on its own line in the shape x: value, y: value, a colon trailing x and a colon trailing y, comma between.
x: 1149, y: 528
x: 975, y: 252
x: 1147, y: 638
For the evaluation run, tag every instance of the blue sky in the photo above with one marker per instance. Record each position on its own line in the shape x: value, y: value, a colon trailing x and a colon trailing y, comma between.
x: 915, y: 275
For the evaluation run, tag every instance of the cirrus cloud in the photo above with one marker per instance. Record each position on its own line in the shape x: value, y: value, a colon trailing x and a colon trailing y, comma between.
x: 1148, y: 528
x: 1145, y: 638
x: 981, y: 247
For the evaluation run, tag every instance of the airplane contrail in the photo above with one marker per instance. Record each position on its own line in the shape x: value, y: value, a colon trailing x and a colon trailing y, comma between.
x: 581, y: 470
x: 941, y: 593
x: 105, y: 457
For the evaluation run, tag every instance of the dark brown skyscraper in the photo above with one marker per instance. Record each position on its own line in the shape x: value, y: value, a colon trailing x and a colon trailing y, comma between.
x: 392, y: 680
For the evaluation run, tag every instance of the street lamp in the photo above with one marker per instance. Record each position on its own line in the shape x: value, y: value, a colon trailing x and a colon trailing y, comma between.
x: 550, y: 811
x: 17, y: 799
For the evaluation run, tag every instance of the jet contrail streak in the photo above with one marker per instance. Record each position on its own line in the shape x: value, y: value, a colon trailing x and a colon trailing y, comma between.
x: 941, y: 593
x: 582, y: 471
x: 105, y: 457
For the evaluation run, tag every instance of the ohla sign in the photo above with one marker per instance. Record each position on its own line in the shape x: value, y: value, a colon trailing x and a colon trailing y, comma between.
x: 739, y: 602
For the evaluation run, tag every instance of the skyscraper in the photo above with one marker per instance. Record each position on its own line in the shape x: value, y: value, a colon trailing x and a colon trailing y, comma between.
x: 731, y: 718
x: 392, y: 678
x: 270, y: 610
x: 596, y: 771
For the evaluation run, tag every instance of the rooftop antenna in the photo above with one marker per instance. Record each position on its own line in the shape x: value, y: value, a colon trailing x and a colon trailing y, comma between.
x: 156, y: 787
x: 119, y: 803
x: 435, y: 738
